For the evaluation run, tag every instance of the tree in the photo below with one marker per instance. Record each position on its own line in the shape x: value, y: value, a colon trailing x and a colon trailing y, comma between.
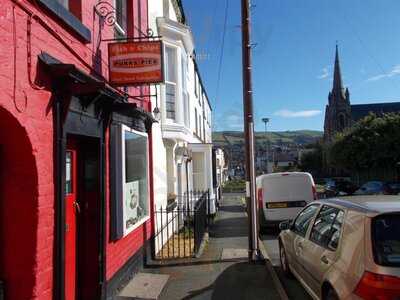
x: 312, y: 161
x: 372, y: 143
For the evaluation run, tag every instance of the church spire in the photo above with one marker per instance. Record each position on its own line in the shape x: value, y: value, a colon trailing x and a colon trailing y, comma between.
x: 337, y: 76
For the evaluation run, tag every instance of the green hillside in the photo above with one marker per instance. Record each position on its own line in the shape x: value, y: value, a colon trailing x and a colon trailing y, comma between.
x: 286, y: 137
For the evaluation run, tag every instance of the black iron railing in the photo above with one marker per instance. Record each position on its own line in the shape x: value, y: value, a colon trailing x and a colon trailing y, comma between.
x: 180, y: 228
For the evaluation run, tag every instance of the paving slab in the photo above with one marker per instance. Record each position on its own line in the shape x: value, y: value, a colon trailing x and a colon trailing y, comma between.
x: 233, y: 253
x: 144, y: 286
x: 222, y: 272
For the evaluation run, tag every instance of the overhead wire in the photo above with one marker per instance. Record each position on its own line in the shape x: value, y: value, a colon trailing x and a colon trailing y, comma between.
x: 364, y: 46
x: 221, y: 56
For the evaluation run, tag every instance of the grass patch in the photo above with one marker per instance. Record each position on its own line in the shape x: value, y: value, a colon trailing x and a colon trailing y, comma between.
x: 234, y: 186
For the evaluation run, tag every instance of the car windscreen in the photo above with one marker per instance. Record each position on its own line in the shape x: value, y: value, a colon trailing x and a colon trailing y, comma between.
x: 386, y: 239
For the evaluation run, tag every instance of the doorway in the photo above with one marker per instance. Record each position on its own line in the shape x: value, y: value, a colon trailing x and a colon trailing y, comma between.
x: 82, y: 218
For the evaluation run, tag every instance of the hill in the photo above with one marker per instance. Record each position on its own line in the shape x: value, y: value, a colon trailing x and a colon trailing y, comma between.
x: 299, y: 137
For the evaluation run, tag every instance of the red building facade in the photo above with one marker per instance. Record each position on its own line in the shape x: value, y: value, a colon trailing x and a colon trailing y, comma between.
x: 73, y: 149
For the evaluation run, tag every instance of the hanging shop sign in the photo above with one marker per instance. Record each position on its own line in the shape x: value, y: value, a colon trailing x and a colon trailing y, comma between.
x: 135, y: 63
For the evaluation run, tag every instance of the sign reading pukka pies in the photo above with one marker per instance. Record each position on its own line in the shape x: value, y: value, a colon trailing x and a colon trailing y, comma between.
x: 135, y: 63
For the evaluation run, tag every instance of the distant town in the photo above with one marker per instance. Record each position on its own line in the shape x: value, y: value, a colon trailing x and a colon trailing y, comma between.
x: 275, y: 151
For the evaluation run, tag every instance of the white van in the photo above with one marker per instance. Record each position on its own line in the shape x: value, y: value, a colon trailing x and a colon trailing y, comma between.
x: 282, y: 195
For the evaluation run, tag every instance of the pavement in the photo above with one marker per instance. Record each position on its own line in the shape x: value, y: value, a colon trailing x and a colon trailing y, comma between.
x: 222, y: 271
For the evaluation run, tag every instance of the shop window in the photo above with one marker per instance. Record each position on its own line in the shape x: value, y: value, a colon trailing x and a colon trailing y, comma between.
x: 120, y: 18
x: 130, y: 170
x: 170, y: 82
x: 136, y: 206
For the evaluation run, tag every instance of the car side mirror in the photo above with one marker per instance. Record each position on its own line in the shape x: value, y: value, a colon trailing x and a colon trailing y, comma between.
x: 285, y: 225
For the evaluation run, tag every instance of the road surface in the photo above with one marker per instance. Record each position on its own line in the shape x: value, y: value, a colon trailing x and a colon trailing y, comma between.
x: 293, y: 288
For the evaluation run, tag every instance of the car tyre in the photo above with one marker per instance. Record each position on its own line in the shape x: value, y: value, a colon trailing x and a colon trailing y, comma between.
x: 284, y: 261
x: 262, y: 228
x: 331, y: 295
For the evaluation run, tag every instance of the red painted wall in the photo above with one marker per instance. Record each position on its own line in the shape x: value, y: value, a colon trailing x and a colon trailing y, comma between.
x: 26, y: 136
x: 119, y: 252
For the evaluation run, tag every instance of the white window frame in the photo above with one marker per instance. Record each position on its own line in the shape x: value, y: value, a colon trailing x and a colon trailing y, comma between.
x: 118, y: 27
x: 195, y: 116
x: 184, y: 85
x: 175, y: 84
x: 123, y: 169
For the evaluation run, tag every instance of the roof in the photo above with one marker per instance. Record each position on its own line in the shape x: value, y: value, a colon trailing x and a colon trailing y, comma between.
x: 281, y: 174
x: 375, y: 204
x: 337, y: 75
x: 359, y: 111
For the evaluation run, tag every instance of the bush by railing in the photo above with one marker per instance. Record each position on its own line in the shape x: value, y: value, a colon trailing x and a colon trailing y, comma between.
x: 234, y: 186
x: 180, y: 228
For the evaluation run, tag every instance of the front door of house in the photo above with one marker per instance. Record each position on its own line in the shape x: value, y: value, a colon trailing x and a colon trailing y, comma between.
x: 71, y: 211
x: 82, y: 218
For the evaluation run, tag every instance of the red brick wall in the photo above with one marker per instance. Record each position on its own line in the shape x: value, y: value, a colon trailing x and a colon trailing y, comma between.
x: 32, y: 109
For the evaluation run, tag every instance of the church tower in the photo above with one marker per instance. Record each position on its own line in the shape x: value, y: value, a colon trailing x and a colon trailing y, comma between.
x: 338, y: 110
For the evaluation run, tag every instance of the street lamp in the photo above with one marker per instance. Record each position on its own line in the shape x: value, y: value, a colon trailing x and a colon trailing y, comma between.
x: 266, y: 120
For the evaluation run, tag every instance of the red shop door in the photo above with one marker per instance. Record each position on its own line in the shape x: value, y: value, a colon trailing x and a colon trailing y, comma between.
x: 71, y: 211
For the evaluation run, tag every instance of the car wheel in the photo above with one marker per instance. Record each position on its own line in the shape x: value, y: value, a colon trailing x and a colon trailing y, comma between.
x: 284, y: 261
x: 331, y: 295
x: 261, y: 223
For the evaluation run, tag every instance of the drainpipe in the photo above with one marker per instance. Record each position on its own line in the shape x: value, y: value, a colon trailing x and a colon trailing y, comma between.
x: 59, y: 176
x: 188, y: 159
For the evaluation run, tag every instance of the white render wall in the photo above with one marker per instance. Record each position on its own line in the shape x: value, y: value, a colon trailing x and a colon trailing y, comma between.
x: 176, y: 132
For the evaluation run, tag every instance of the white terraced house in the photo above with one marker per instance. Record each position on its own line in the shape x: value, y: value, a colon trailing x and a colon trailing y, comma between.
x: 182, y: 140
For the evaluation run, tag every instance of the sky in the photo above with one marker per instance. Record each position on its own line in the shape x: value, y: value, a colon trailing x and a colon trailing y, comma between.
x: 293, y: 57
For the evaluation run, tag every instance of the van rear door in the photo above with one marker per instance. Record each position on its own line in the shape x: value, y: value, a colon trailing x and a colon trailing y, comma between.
x: 288, y: 190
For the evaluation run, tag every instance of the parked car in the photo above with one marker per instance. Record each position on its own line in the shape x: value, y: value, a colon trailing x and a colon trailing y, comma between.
x: 339, y: 187
x: 346, y: 248
x: 374, y: 188
x: 395, y: 187
x: 282, y: 195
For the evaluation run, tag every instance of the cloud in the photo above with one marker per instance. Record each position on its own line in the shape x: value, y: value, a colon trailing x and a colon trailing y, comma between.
x: 325, y: 73
x: 393, y: 72
x: 285, y: 113
x: 230, y: 120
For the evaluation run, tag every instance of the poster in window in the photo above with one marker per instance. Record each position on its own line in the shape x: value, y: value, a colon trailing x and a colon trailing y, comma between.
x: 132, y: 208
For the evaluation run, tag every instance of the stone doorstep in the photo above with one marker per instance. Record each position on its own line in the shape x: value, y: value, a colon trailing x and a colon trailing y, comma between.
x: 233, y: 253
x: 144, y: 286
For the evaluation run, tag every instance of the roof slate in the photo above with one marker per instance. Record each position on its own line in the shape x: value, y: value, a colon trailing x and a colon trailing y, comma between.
x: 359, y: 111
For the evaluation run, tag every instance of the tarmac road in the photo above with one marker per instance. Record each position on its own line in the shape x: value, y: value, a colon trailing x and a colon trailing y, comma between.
x: 292, y: 287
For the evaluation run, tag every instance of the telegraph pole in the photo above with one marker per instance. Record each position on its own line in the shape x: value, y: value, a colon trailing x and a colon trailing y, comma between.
x: 252, y: 211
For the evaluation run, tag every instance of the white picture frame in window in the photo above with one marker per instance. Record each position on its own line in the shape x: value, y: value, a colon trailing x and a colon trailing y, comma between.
x: 123, y: 129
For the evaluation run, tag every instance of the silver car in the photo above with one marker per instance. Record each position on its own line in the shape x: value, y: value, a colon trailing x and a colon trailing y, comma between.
x: 347, y: 248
